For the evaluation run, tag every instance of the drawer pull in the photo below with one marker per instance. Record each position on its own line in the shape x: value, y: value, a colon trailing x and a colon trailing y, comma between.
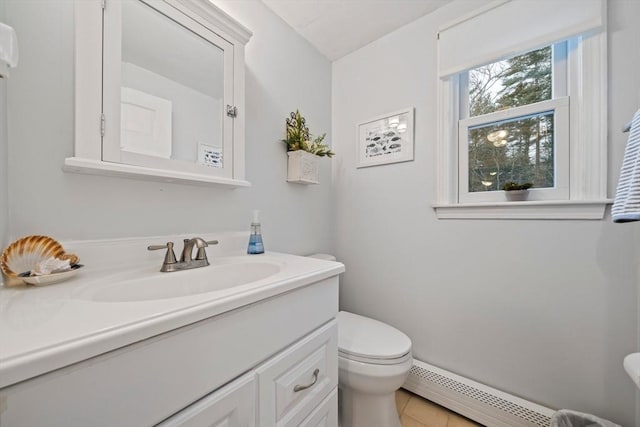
x: 306, y: 386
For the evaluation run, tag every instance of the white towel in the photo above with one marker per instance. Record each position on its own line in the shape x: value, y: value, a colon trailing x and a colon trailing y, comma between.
x: 626, y: 206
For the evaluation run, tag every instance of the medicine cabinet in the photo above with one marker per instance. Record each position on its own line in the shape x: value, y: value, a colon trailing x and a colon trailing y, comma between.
x: 159, y: 91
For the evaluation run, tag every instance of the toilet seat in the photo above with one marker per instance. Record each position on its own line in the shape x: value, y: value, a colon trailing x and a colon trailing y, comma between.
x: 374, y: 361
x: 369, y: 341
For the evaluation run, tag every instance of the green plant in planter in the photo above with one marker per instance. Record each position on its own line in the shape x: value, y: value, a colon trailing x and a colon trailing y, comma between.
x: 512, y: 186
x: 299, y: 138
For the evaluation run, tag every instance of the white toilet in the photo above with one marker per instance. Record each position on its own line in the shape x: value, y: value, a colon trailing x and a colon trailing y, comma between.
x: 373, y: 362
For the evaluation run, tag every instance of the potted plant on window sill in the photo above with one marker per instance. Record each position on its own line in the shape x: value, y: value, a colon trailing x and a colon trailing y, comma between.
x: 303, y: 151
x: 515, y: 192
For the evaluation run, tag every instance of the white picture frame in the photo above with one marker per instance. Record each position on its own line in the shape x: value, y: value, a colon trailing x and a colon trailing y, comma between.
x: 385, y: 139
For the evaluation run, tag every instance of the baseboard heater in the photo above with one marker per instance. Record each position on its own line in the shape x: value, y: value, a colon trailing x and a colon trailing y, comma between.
x: 483, y: 404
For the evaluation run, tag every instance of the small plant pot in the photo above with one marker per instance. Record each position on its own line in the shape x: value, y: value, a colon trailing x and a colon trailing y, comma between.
x: 303, y: 167
x: 516, y: 195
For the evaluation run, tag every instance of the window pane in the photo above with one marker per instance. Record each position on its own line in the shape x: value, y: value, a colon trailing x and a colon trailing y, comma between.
x: 521, y: 80
x: 519, y: 150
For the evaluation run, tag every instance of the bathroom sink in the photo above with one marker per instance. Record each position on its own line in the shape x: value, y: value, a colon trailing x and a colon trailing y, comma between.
x: 215, y: 277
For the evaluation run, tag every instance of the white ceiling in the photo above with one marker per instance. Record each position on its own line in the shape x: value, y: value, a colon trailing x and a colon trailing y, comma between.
x: 338, y: 27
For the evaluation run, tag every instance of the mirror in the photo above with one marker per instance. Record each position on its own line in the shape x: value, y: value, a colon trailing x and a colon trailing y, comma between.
x: 172, y: 89
x: 162, y: 75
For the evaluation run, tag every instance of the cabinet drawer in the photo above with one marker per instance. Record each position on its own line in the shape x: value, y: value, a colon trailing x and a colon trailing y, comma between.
x: 325, y: 415
x: 232, y: 406
x: 294, y: 382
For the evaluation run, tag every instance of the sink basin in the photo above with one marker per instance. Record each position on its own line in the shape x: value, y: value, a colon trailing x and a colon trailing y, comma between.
x: 214, y: 277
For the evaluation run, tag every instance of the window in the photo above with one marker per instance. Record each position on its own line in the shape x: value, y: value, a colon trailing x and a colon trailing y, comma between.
x: 514, y: 126
x: 524, y: 104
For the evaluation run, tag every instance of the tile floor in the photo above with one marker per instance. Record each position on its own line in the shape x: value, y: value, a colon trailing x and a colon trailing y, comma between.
x: 415, y: 411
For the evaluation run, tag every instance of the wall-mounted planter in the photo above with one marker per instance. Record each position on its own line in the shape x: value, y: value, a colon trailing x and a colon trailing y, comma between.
x: 303, y: 167
x: 516, y: 195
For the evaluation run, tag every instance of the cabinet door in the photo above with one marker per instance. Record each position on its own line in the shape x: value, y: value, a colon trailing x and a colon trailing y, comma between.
x: 191, y: 53
x: 293, y: 383
x: 231, y: 406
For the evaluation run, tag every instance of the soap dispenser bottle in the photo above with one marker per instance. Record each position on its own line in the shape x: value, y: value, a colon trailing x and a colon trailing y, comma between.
x: 255, y: 239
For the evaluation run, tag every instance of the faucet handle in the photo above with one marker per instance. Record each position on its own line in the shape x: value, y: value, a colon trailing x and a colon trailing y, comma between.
x: 169, y: 257
x: 158, y: 247
x: 202, y: 254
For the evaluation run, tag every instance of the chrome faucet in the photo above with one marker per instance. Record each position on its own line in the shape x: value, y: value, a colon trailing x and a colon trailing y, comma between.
x: 186, y: 259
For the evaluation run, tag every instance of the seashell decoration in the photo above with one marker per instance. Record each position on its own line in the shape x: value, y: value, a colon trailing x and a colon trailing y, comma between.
x: 33, y: 254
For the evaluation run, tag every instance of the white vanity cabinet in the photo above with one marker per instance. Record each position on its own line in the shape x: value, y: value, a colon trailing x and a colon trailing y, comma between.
x: 291, y: 389
x: 231, y: 406
x: 237, y: 368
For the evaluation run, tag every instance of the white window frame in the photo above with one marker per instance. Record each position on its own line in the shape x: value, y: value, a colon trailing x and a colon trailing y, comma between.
x: 587, y: 148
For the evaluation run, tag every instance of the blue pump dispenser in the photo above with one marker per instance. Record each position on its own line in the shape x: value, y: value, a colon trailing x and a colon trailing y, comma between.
x: 255, y: 239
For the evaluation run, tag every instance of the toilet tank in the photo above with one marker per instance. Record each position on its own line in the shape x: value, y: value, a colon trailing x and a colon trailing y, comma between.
x: 325, y: 257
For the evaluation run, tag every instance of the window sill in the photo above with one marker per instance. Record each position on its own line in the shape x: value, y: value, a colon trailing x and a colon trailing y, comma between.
x: 552, y: 209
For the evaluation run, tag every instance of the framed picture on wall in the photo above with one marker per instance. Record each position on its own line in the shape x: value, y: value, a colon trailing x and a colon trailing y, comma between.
x: 386, y: 139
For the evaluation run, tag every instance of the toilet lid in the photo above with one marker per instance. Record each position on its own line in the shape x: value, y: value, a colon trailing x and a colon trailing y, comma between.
x: 370, y: 339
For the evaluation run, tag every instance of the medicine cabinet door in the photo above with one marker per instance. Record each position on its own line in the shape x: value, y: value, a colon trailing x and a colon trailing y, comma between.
x: 167, y: 82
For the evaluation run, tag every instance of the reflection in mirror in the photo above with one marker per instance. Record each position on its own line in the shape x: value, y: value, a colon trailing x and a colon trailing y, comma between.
x: 172, y: 89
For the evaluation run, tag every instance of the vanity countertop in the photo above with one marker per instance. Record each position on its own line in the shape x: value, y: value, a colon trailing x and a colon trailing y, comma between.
x: 46, y: 328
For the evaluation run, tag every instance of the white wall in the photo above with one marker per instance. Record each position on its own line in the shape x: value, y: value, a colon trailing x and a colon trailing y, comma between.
x: 4, y: 177
x: 624, y: 100
x: 4, y: 201
x: 542, y: 309
x: 283, y: 73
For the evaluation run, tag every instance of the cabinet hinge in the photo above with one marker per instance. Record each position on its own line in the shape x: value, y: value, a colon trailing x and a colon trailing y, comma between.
x: 102, y: 125
x: 103, y: 3
x: 232, y: 111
